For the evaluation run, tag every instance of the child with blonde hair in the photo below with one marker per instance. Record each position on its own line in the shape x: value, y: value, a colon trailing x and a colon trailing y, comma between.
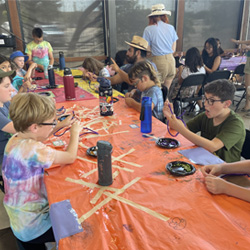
x: 25, y: 158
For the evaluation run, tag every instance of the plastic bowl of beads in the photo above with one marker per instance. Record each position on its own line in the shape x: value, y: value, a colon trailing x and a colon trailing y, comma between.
x: 167, y: 143
x: 180, y: 168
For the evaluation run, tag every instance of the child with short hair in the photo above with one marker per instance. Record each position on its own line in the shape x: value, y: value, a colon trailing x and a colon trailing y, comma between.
x: 217, y: 185
x: 39, y: 51
x: 25, y: 158
x: 22, y: 75
x: 222, y: 130
x: 143, y: 76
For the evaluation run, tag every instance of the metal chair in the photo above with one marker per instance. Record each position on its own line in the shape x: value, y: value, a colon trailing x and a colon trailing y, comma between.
x: 240, y: 86
x: 219, y: 74
x: 245, y: 153
x: 192, y: 80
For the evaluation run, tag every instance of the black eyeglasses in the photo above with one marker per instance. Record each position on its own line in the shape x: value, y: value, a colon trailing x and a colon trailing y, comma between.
x: 53, y: 124
x: 209, y: 101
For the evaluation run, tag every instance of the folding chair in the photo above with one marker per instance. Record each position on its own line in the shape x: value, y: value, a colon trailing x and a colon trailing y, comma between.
x: 240, y: 86
x: 219, y: 74
x: 190, y: 81
x: 245, y: 153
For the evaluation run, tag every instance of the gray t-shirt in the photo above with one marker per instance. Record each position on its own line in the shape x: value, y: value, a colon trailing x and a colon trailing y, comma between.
x: 4, y: 120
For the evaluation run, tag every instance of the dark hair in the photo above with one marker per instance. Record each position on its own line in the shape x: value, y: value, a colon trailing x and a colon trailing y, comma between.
x: 120, y: 57
x: 37, y: 32
x: 222, y: 88
x: 143, y: 52
x: 4, y: 59
x: 144, y: 68
x: 193, y: 59
x: 92, y: 65
x: 154, y: 19
x: 213, y: 43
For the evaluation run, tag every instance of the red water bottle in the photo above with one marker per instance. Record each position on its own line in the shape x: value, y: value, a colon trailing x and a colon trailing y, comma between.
x: 69, y: 86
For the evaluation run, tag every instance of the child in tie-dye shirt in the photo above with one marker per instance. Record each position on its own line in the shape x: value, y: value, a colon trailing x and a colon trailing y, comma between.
x: 25, y: 158
x: 39, y: 51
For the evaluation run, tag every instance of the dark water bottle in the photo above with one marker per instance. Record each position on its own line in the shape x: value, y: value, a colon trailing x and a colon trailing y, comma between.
x: 146, y: 114
x: 69, y: 86
x: 61, y: 60
x: 104, y: 150
x: 105, y: 96
x: 51, y: 74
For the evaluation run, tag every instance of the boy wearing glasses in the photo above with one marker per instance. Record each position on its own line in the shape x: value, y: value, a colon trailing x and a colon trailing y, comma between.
x: 25, y: 158
x: 222, y: 130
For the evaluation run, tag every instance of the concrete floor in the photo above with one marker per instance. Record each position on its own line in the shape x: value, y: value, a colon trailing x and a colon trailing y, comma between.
x: 8, y: 241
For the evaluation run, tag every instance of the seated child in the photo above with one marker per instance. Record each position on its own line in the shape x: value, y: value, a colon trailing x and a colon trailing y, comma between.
x: 143, y: 76
x: 39, y: 51
x: 19, y: 60
x: 193, y: 65
x: 92, y: 68
x: 6, y: 125
x: 5, y: 65
x: 25, y: 158
x: 222, y: 130
x: 217, y: 185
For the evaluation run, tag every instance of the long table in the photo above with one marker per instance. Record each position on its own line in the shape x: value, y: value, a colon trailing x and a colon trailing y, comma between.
x: 145, y: 207
x: 232, y: 63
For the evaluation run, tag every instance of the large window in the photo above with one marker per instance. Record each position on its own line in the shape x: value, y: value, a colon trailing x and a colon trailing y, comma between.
x: 131, y: 18
x: 204, y: 19
x: 74, y: 26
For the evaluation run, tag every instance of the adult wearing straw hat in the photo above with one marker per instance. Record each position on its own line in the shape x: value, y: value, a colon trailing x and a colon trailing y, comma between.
x: 136, y: 52
x: 161, y: 37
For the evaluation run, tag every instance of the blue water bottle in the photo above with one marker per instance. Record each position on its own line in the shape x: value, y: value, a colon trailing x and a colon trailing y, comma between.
x: 51, y: 74
x: 146, y: 114
x: 61, y: 60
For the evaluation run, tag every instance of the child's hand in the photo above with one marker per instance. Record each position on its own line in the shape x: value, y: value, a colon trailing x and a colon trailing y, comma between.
x: 91, y: 76
x: 129, y: 101
x: 67, y: 121
x: 33, y: 65
x: 215, y: 170
x: 76, y: 127
x: 215, y: 185
x: 166, y: 109
x: 131, y: 93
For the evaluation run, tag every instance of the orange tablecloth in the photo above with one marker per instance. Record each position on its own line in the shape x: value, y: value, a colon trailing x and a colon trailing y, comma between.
x: 145, y: 207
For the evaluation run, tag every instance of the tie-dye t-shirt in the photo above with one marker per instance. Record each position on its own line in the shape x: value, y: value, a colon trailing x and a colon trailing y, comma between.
x: 39, y: 52
x: 25, y: 197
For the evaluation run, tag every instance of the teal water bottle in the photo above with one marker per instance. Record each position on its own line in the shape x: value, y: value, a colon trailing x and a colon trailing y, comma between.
x: 146, y: 114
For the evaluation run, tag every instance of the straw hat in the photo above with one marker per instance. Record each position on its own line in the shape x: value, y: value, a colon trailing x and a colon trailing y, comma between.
x: 139, y: 43
x: 159, y: 9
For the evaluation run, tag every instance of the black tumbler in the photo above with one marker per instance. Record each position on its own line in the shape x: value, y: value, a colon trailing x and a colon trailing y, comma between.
x: 51, y: 74
x: 104, y: 150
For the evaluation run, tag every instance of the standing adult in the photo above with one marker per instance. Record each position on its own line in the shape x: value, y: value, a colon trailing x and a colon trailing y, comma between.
x: 161, y: 37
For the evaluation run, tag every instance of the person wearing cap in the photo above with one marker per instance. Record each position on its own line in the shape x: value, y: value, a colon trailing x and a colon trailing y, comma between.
x: 19, y: 59
x: 161, y: 37
x: 136, y: 52
x: 6, y: 125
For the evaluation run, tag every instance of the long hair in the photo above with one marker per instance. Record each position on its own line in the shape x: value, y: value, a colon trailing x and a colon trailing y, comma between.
x: 154, y: 19
x: 193, y: 59
x: 211, y: 41
x: 92, y: 65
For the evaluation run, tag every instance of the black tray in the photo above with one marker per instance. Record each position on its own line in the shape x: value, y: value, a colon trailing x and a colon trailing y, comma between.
x: 175, y: 168
x: 167, y: 143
